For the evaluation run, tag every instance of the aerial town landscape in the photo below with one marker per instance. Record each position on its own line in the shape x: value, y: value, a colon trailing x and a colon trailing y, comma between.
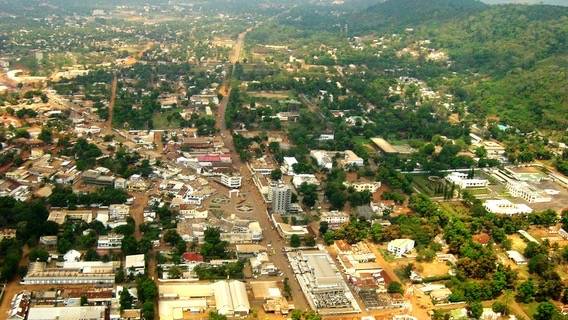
x: 283, y: 159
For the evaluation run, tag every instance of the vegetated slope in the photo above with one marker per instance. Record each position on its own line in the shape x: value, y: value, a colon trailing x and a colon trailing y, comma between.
x: 520, y: 51
x: 523, y: 50
x: 398, y: 14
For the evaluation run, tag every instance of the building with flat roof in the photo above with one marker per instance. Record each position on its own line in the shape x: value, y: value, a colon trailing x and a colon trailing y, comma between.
x: 81, y: 272
x: 527, y: 192
x: 281, y: 198
x: 60, y: 216
x: 322, y: 283
x: 323, y: 158
x: 135, y: 264
x: 350, y: 159
x: 506, y: 207
x: 67, y: 313
x: 461, y: 180
x: 229, y: 297
x: 231, y: 181
x: 334, y: 218
x: 372, y: 187
x: 110, y: 241
x: 400, y: 247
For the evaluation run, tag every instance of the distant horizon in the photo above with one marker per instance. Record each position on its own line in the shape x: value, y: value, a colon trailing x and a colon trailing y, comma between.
x: 549, y: 2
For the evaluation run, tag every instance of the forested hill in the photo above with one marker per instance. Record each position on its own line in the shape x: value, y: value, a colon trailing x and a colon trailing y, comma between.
x: 525, y: 51
x: 518, y: 52
x: 396, y: 14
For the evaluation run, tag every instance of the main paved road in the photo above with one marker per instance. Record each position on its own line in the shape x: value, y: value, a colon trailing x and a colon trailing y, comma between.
x: 260, y: 209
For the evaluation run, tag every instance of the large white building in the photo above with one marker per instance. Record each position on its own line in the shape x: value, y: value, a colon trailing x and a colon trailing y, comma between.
x: 231, y: 298
x: 231, y: 181
x: 529, y: 193
x: 135, y: 264
x: 81, y: 272
x: 288, y: 165
x: 461, y: 180
x: 67, y: 313
x: 322, y: 158
x: 281, y: 198
x: 372, y: 187
x: 506, y: 207
x: 110, y: 241
x: 350, y: 159
x: 400, y: 247
x: 334, y: 218
x: 322, y: 283
x: 307, y: 178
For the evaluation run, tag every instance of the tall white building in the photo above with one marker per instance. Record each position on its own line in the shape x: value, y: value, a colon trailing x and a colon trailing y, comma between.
x: 281, y: 198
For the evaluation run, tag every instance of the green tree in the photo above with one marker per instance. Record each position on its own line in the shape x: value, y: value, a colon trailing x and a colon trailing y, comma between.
x: 126, y: 299
x: 214, y: 315
x: 475, y: 309
x: 395, y: 287
x: 310, y: 241
x: 276, y: 175
x: 38, y: 254
x: 545, y: 311
x: 323, y: 227
x: 295, y: 241
x: 526, y: 292
x: 45, y: 135
x: 148, y: 310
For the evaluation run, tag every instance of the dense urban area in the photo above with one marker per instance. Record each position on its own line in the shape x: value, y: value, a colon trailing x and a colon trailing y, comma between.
x: 283, y: 159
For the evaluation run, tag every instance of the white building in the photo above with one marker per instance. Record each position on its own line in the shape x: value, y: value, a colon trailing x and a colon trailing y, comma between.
x: 281, y: 198
x: 350, y: 159
x: 71, y: 256
x: 334, y: 218
x: 506, y: 207
x: 461, y: 180
x: 529, y: 193
x: 110, y: 241
x: 400, y: 247
x: 76, y: 272
x: 288, y: 165
x: 308, y: 178
x: 372, y: 187
x: 135, y: 264
x: 231, y: 181
x: 231, y: 298
x: 67, y: 313
x: 517, y: 257
x: 322, y: 158
x: 187, y: 212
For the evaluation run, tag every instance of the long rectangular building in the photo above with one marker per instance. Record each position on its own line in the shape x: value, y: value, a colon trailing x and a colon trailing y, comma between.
x: 321, y: 282
x: 91, y: 272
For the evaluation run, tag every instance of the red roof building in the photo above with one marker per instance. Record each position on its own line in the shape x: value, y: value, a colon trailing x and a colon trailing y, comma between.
x: 192, y: 257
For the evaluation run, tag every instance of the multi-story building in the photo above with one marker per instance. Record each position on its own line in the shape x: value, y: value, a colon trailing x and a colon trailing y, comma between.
x: 231, y: 181
x: 506, y: 207
x: 334, y: 218
x: 400, y: 247
x: 110, y: 241
x: 281, y: 198
x: 529, y: 193
x: 372, y: 187
x: 81, y: 272
x: 135, y: 264
x: 461, y: 180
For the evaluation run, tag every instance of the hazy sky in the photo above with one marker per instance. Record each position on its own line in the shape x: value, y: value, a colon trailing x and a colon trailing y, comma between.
x: 556, y: 2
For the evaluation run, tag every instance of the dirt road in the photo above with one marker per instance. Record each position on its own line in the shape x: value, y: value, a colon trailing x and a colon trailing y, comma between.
x: 114, y: 85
